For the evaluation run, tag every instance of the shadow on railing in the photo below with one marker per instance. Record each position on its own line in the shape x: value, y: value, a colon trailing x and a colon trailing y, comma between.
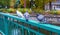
x: 12, y: 25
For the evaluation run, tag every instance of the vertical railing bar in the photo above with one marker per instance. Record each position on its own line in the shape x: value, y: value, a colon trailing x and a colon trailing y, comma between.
x: 22, y: 31
x: 28, y: 32
x: 36, y: 34
x: 39, y: 30
x: 17, y: 28
x: 33, y: 34
x: 50, y: 33
x: 6, y: 25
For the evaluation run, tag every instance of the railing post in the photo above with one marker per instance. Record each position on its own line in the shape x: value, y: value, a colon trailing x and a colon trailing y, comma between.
x: 28, y: 32
x: 50, y: 33
x: 22, y: 31
x: 6, y: 24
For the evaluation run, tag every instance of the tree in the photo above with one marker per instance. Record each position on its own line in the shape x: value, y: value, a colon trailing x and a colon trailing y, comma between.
x: 5, y: 2
x: 41, y: 3
x: 38, y: 3
x: 22, y: 2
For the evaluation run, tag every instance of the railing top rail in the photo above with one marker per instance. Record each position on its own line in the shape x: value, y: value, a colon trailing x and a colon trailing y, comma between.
x: 2, y: 33
x: 48, y: 27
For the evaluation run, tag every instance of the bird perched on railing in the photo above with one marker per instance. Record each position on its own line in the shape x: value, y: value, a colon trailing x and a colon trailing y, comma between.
x: 26, y: 15
x: 40, y: 17
x: 19, y: 14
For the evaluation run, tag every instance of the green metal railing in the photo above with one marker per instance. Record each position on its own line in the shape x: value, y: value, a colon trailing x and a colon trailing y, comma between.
x: 13, y: 25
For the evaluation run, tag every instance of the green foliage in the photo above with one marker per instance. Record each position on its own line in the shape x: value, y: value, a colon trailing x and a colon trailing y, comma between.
x: 23, y: 10
x: 1, y: 10
x: 38, y: 10
x: 53, y: 12
x: 42, y: 3
x: 8, y: 10
x: 5, y: 2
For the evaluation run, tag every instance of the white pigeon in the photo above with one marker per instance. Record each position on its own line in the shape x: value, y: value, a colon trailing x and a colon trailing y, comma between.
x: 19, y: 14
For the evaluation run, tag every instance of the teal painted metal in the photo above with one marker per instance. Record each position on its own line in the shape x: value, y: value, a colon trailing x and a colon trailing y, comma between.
x: 6, y: 25
x: 22, y: 31
x: 1, y: 33
x: 27, y: 29
x: 11, y: 22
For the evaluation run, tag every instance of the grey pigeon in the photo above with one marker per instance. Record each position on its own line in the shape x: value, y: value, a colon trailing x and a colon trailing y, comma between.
x: 40, y: 17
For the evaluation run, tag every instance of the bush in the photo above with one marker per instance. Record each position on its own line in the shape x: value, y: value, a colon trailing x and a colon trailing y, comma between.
x: 58, y: 12
x: 1, y: 10
x: 55, y: 12
x: 39, y: 11
x: 10, y: 10
x: 23, y: 10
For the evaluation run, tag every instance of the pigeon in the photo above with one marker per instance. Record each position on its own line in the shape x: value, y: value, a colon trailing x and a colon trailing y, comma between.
x: 40, y: 17
x: 19, y: 14
x: 26, y: 15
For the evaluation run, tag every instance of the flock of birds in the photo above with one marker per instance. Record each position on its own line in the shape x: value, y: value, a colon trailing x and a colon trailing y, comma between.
x: 26, y: 15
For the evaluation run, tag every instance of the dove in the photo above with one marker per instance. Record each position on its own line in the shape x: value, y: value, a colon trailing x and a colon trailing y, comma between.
x: 26, y: 15
x: 19, y: 14
x: 40, y: 17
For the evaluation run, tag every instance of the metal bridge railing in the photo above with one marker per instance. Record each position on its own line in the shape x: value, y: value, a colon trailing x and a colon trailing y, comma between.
x: 13, y: 25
